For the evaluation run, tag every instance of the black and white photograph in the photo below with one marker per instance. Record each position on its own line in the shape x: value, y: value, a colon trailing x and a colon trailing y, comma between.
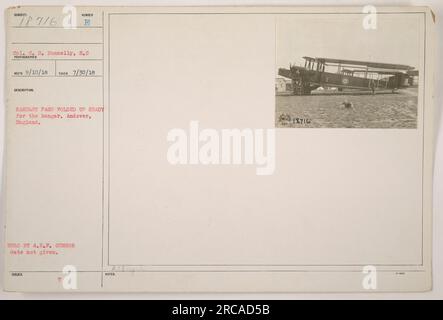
x: 218, y: 157
x: 342, y: 71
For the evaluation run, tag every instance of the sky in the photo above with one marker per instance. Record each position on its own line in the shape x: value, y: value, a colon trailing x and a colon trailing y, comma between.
x: 397, y: 39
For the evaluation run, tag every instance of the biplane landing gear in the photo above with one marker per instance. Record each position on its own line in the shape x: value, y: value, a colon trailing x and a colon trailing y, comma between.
x: 301, y: 89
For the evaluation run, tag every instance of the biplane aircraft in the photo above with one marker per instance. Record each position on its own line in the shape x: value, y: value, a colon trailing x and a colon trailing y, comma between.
x: 349, y: 74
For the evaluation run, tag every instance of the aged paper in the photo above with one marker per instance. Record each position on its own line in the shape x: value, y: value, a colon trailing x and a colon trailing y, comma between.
x: 247, y: 149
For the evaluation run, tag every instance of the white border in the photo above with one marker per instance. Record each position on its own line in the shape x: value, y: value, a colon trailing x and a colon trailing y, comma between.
x: 436, y: 293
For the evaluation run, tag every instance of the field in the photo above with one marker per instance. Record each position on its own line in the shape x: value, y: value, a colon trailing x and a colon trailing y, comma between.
x: 387, y: 110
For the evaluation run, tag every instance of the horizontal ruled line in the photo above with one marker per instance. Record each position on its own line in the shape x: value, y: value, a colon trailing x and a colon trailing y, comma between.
x: 56, y: 42
x: 56, y: 76
x: 29, y: 59
x: 223, y: 271
x: 60, y: 27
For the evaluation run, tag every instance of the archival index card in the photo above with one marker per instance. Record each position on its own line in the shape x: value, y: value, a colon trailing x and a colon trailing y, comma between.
x: 219, y: 149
